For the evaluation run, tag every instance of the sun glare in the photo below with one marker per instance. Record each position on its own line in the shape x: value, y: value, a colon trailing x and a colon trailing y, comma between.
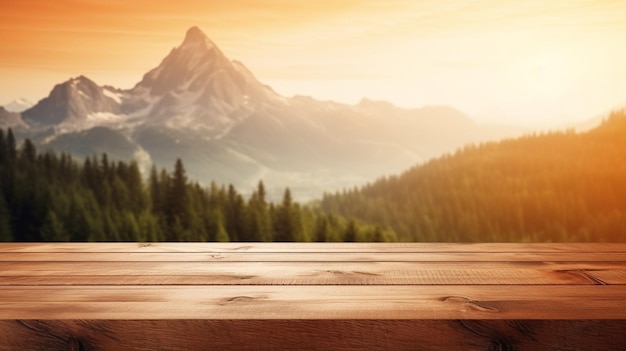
x: 477, y: 56
x: 547, y: 73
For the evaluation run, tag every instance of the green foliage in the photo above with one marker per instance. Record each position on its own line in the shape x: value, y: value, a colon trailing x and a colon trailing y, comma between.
x: 287, y: 224
x: 53, y: 229
x: 5, y: 225
x: 552, y: 187
x: 258, y: 216
x: 45, y: 197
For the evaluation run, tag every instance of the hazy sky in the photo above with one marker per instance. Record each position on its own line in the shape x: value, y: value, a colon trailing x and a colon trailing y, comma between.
x: 510, y: 61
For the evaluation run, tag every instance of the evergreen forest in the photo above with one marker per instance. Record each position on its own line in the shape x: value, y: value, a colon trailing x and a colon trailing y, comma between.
x: 542, y: 187
x: 547, y: 187
x: 50, y: 197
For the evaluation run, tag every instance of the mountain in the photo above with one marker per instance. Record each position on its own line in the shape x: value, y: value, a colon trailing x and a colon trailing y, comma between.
x: 552, y: 187
x: 18, y: 105
x: 228, y: 127
x: 72, y: 104
x: 196, y: 86
x: 10, y: 119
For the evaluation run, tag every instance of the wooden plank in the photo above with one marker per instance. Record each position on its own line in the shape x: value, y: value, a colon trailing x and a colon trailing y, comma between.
x: 312, y: 257
x: 333, y: 335
x: 313, y: 247
x: 312, y: 273
x: 259, y: 296
x: 318, y: 302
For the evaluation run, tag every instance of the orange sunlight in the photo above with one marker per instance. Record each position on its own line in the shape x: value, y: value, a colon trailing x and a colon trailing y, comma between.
x: 519, y: 62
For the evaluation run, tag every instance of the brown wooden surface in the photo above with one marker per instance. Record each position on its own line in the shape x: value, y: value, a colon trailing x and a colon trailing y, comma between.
x: 311, y: 273
x: 338, y: 335
x: 314, y: 247
x: 296, y: 296
x: 313, y: 302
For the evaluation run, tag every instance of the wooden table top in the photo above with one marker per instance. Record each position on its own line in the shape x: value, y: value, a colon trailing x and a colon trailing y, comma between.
x: 306, y: 281
x: 297, y: 296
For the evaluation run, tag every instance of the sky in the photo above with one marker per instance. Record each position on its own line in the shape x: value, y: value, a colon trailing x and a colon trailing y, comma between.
x: 509, y: 62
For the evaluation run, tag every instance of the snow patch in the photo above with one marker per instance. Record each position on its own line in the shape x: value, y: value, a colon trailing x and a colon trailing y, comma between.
x: 243, y: 157
x: 81, y: 93
x: 104, y: 117
x: 18, y: 105
x: 112, y: 95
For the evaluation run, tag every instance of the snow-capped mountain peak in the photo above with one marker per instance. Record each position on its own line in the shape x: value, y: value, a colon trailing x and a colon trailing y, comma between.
x: 211, y: 111
x: 71, y: 102
x: 196, y: 86
x: 18, y: 105
x: 191, y: 64
x: 196, y: 36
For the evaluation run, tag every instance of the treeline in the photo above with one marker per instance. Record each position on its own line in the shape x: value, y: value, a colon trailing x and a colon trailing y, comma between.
x: 50, y: 197
x: 550, y: 187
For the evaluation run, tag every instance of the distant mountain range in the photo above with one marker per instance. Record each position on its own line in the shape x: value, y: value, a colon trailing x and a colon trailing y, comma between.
x: 227, y: 127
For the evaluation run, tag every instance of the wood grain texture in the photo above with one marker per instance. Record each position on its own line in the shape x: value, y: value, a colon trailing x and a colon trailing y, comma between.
x: 334, y: 335
x: 311, y: 273
x: 486, y: 248
x: 330, y: 256
x: 327, y: 296
x: 314, y: 302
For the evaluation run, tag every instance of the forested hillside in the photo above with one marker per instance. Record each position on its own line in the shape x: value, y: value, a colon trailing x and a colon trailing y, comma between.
x: 558, y: 186
x: 49, y: 197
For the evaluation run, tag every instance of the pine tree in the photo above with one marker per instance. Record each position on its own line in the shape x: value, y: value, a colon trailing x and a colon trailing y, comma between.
x: 5, y: 220
x: 176, y: 230
x: 321, y: 233
x: 287, y: 222
x: 221, y: 235
x: 235, y: 216
x: 178, y: 197
x: 149, y: 227
x: 105, y: 167
x: 53, y: 229
x: 28, y: 152
x: 156, y: 194
x: 110, y: 231
x: 259, y: 220
x: 3, y: 148
x: 350, y: 234
x: 11, y: 146
x: 88, y: 175
x: 378, y: 235
x: 120, y: 195
x: 217, y: 229
x: 129, y: 229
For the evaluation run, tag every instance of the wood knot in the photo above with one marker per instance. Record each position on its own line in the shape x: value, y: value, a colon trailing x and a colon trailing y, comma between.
x: 585, y: 273
x: 349, y: 273
x: 455, y: 298
x: 74, y: 344
x: 240, y: 299
x: 472, y: 304
x: 500, y: 345
x: 240, y: 248
x: 337, y: 272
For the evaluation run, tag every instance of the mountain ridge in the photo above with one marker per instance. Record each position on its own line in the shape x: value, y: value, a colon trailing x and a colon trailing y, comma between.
x: 18, y: 105
x: 541, y: 187
x: 213, y: 113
